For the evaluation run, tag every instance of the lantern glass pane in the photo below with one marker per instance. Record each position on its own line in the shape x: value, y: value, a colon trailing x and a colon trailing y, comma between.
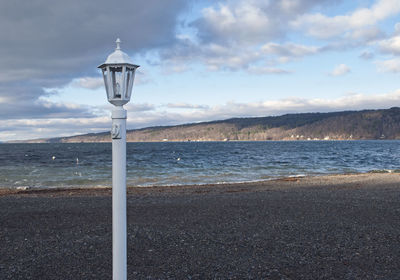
x: 132, y: 78
x: 127, y: 80
x: 105, y: 73
x: 117, y: 82
x: 109, y: 83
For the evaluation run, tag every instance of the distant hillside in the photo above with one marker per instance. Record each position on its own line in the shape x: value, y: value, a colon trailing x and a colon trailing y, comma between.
x: 367, y: 124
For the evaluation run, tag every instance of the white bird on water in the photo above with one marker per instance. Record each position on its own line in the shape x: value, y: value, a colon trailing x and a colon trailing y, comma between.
x: 53, y: 157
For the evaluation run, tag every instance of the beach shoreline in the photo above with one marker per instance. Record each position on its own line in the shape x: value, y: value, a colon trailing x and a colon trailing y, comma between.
x: 368, y: 179
x: 323, y: 227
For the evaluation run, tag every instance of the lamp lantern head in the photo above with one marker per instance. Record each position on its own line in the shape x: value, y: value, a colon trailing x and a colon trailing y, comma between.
x: 119, y: 74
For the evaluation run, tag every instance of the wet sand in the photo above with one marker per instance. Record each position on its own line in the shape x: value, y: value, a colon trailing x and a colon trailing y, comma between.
x: 328, y: 227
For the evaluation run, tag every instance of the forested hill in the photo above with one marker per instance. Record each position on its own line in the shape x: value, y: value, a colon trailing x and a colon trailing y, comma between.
x: 367, y: 124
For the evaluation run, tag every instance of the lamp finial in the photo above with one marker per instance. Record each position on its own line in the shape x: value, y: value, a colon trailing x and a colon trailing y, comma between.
x: 118, y: 42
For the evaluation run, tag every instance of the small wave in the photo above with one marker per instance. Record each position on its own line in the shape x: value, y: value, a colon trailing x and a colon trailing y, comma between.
x: 297, y: 176
x: 155, y: 164
x: 384, y: 171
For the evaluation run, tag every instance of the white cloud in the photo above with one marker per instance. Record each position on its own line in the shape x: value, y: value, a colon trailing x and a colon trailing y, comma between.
x: 176, y: 68
x: 397, y: 28
x: 289, y: 49
x: 264, y: 108
x: 243, y: 34
x: 139, y: 107
x: 185, y: 106
x: 319, y: 25
x: 340, y: 70
x: 162, y: 115
x: 251, y: 21
x: 236, y: 35
x: 142, y: 77
x: 98, y: 82
x: 294, y: 105
x: 88, y: 82
x: 23, y: 129
x: 4, y: 99
x: 218, y: 57
x: 365, y: 35
x: 390, y: 65
x: 289, y: 5
x: 391, y: 45
x: 322, y: 26
x: 243, y: 21
x: 214, y: 56
x: 266, y: 70
x: 278, y: 107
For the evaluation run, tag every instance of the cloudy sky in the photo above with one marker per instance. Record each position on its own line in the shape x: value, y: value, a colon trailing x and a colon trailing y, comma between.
x: 200, y: 60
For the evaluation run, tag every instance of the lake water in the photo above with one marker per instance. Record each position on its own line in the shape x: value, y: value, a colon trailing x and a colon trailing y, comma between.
x: 167, y: 163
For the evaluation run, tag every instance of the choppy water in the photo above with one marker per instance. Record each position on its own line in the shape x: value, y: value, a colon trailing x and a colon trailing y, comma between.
x: 89, y: 164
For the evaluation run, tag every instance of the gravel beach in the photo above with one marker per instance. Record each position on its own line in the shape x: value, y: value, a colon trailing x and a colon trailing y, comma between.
x: 327, y: 227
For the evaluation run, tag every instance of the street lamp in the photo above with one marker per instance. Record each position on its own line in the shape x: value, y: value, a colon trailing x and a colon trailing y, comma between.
x: 119, y: 73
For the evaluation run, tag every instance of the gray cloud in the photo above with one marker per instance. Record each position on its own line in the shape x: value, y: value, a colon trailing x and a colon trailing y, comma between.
x: 48, y: 43
x: 51, y: 37
x: 367, y: 55
x: 22, y: 100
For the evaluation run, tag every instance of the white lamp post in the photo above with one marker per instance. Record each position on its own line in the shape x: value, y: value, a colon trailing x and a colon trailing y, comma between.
x: 118, y: 74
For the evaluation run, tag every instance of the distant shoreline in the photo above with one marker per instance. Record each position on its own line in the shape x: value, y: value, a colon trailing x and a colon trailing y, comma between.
x: 200, y: 141
x: 344, y: 125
